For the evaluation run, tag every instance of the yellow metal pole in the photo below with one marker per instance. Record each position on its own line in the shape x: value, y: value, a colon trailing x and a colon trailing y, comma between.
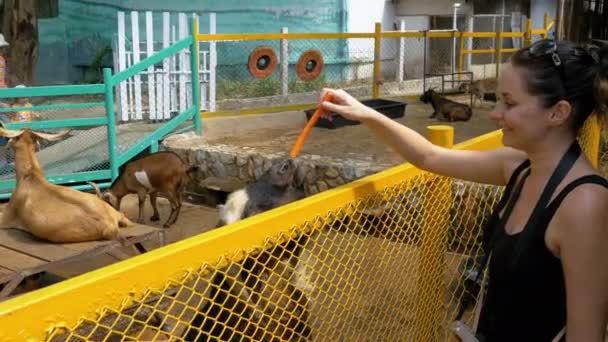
x: 377, y: 65
x: 441, y: 135
x: 461, y: 57
x: 591, y: 135
x: 431, y: 264
x: 528, y: 39
x: 498, y: 52
x: 546, y: 25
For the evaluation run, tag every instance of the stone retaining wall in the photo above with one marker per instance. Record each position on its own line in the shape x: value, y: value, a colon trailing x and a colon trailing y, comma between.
x: 471, y: 206
x: 246, y: 164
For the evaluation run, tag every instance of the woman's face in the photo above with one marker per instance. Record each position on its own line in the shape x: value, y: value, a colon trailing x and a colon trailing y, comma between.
x: 520, y: 115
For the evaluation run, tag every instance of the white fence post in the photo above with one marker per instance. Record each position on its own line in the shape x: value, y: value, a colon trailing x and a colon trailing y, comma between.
x: 401, y: 56
x: 212, y: 64
x: 167, y: 87
x: 151, y: 71
x: 284, y: 64
x: 166, y: 66
x: 204, y: 80
x: 122, y: 64
x: 136, y: 57
x: 183, y: 63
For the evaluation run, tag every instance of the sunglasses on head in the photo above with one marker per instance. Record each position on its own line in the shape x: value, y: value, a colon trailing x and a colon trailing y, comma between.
x: 548, y: 47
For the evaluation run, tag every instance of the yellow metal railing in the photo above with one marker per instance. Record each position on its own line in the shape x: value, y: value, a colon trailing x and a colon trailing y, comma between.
x: 376, y: 234
x: 320, y: 41
x: 379, y: 257
x: 498, y: 50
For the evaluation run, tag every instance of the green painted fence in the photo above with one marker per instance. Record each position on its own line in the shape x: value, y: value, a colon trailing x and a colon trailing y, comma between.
x: 82, y: 157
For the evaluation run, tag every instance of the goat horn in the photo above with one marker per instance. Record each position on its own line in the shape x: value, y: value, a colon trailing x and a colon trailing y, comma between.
x: 52, y: 137
x: 10, y: 133
x: 96, y: 187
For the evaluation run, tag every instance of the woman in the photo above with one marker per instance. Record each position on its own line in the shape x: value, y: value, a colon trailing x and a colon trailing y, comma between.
x: 549, y: 265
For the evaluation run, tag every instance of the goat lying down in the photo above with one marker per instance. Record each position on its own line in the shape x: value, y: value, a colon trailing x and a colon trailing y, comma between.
x: 159, y: 172
x: 448, y: 109
x: 276, y: 301
x: 53, y: 212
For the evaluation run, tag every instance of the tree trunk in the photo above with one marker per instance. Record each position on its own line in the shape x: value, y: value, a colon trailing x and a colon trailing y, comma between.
x: 21, y: 32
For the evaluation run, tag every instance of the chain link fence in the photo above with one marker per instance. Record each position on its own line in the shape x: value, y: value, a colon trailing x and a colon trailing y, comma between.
x: 603, y: 150
x: 84, y: 149
x: 346, y: 63
x: 406, y: 62
x: 394, y: 263
x: 391, y: 265
x: 493, y: 23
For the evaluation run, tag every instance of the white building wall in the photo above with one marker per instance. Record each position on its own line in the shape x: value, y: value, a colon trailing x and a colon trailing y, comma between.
x: 362, y: 17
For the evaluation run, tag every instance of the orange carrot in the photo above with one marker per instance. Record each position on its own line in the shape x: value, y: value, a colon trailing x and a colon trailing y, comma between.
x: 306, y: 131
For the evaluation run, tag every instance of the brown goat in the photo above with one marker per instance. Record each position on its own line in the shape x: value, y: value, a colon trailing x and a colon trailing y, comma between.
x: 450, y: 110
x: 53, y: 212
x: 481, y: 89
x: 159, y: 172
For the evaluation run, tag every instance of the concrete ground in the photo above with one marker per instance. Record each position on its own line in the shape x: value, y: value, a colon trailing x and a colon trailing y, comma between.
x: 276, y: 133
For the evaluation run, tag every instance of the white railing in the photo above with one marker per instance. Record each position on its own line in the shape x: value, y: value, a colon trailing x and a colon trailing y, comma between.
x: 162, y: 90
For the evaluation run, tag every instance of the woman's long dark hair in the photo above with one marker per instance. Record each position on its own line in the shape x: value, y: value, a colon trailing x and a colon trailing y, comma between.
x: 583, y: 83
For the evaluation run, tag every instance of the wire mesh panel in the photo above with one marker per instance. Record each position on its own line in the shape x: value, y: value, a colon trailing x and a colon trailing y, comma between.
x: 84, y: 149
x: 603, y: 150
x: 233, y: 78
x: 593, y: 137
x: 402, y: 65
x: 389, y: 258
x: 299, y: 68
x: 387, y: 266
x: 348, y: 63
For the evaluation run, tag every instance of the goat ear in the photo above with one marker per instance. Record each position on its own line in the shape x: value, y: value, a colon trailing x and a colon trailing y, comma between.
x: 300, y: 176
x: 52, y: 137
x: 10, y: 133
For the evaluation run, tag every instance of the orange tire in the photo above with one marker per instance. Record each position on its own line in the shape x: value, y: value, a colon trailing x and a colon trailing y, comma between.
x: 310, y: 65
x: 262, y: 62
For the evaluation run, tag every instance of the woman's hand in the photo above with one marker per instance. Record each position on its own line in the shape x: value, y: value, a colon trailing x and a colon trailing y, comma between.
x: 345, y: 105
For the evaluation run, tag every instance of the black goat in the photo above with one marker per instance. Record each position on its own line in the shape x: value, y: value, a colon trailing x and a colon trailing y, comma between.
x: 450, y: 110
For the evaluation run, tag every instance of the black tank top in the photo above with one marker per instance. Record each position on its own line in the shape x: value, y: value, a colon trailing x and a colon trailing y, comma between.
x: 526, y: 296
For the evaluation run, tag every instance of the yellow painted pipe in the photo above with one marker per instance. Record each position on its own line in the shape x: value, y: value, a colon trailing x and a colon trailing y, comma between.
x: 591, y: 135
x: 498, y: 52
x: 433, y: 246
x: 377, y: 60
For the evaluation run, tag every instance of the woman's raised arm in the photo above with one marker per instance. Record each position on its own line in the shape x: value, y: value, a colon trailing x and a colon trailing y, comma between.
x: 490, y: 167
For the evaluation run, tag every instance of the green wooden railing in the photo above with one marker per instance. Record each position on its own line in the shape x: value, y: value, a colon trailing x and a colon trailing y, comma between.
x: 104, y: 177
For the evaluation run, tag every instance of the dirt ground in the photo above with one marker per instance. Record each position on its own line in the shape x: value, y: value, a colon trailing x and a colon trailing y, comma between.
x: 357, y: 142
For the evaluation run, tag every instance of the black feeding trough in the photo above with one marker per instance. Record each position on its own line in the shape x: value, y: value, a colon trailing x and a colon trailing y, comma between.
x: 390, y: 108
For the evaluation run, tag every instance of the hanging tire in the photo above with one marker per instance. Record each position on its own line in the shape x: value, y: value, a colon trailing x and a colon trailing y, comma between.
x: 310, y: 65
x: 262, y: 62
